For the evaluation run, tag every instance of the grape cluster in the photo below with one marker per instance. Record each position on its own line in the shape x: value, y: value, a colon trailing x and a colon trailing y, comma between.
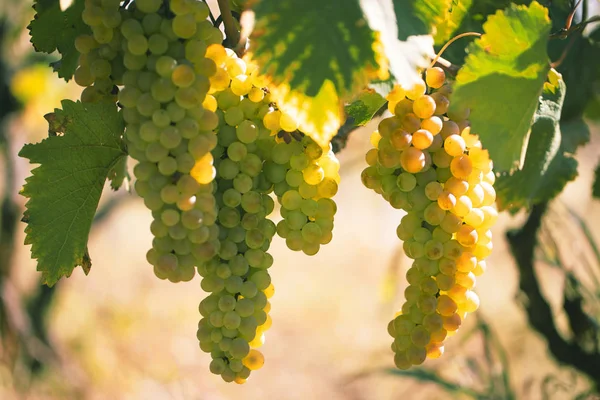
x: 305, y: 178
x: 235, y: 314
x: 427, y: 162
x: 169, y: 132
x: 210, y: 148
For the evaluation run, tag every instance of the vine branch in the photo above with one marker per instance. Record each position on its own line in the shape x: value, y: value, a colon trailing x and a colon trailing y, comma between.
x: 564, y: 32
x: 523, y: 243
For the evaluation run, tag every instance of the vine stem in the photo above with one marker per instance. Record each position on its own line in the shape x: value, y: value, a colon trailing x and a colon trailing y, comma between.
x: 462, y: 35
x: 233, y: 36
x: 563, y: 56
x: 563, y: 33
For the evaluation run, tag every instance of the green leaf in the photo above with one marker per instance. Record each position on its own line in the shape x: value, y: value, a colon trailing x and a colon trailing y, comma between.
x: 118, y: 174
x: 438, y: 17
x: 473, y: 21
x: 364, y: 106
x: 418, y: 17
x: 502, y: 79
x: 575, y: 133
x: 307, y: 43
x: 64, y: 190
x: 548, y: 164
x: 54, y: 29
x: 451, y: 20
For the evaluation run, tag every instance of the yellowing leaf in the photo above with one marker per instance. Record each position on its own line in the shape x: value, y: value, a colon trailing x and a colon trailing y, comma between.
x: 318, y: 116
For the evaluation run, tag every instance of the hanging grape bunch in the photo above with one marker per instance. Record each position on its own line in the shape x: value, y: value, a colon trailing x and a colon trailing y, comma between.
x: 427, y: 162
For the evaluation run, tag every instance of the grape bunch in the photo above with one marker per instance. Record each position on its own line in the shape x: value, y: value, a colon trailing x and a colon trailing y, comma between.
x: 427, y: 162
x: 235, y: 314
x: 210, y: 147
x: 305, y: 179
x: 168, y: 131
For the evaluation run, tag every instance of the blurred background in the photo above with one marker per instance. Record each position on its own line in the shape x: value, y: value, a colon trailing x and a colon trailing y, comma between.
x: 122, y: 333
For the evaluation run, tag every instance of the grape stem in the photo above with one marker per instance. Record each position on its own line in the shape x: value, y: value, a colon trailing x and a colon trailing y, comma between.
x: 233, y: 35
x: 439, y: 54
x: 447, y: 65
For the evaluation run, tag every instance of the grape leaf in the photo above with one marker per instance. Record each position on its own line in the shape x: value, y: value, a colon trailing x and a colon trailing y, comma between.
x: 364, y: 106
x: 502, y: 79
x: 316, y: 56
x: 548, y: 164
x: 64, y: 191
x: 575, y: 133
x: 438, y: 17
x: 451, y: 20
x: 54, y: 29
x: 478, y: 13
x: 118, y: 174
x: 307, y: 43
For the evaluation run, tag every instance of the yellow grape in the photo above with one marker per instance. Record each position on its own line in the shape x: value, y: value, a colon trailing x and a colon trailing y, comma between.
x: 446, y: 200
x: 463, y: 206
x: 480, y: 268
x: 446, y: 306
x: 435, y: 77
x: 466, y: 262
x: 412, y: 160
x: 271, y: 120
x: 254, y: 360
x: 466, y: 280
x: 288, y: 123
x: 434, y: 350
x: 454, y: 145
x: 474, y: 217
x: 422, y: 139
x: 424, y: 107
x: 417, y: 90
x: 466, y: 236
x: 471, y: 303
x: 432, y: 124
x: 461, y: 167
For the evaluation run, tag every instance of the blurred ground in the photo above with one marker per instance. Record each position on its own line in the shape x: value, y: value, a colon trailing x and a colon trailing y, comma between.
x: 124, y: 334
